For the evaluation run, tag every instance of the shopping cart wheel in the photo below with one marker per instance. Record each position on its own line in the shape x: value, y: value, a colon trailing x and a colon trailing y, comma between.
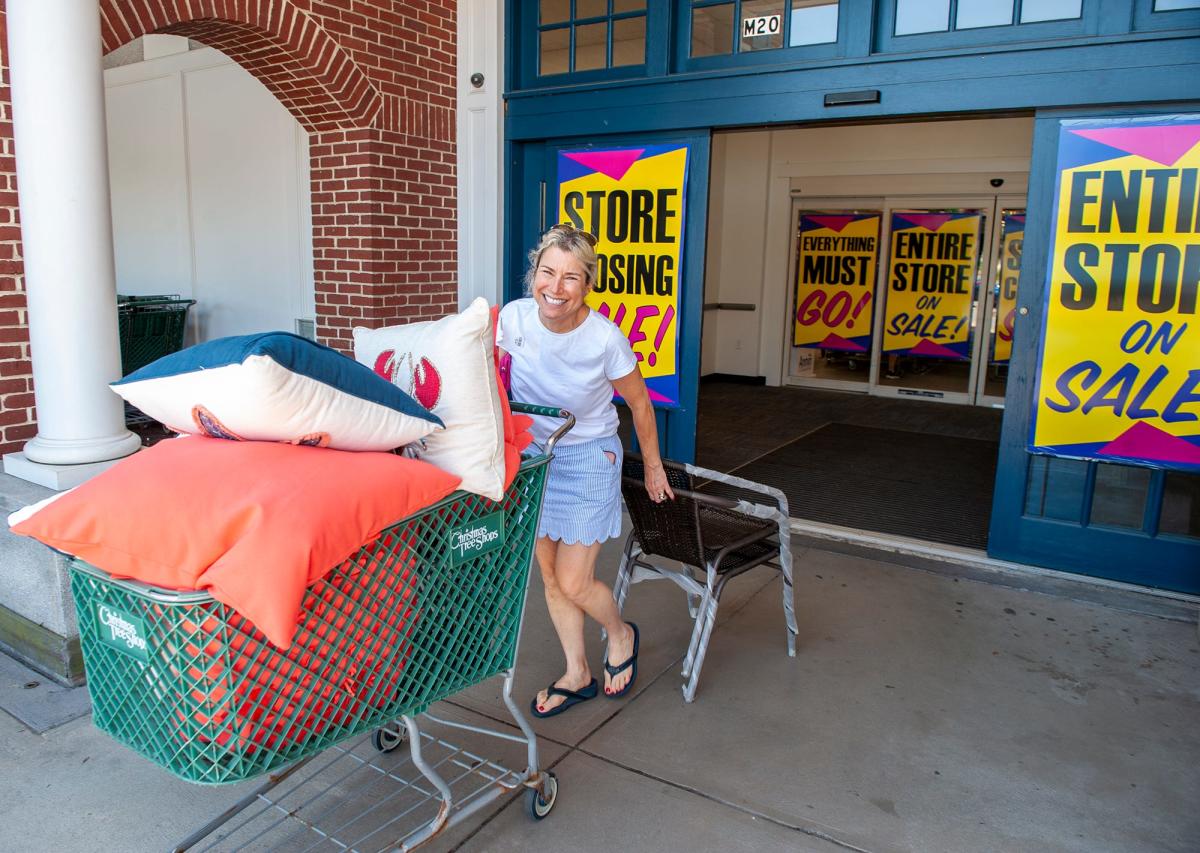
x: 540, y: 804
x: 388, y: 737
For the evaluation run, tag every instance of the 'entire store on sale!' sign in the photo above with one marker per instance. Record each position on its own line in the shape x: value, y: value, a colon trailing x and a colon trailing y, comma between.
x: 1119, y: 366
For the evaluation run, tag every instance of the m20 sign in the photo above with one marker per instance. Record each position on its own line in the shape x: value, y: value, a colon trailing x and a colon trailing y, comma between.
x: 1119, y: 367
x: 765, y: 25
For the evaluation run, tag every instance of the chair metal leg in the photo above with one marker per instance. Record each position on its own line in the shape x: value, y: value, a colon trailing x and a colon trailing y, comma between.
x: 789, y: 615
x: 697, y: 630
x: 625, y: 572
x: 789, y: 596
x: 712, y: 591
x: 710, y: 619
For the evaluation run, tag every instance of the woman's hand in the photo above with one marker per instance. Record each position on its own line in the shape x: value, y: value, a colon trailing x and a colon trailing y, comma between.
x: 632, y: 389
x: 657, y: 486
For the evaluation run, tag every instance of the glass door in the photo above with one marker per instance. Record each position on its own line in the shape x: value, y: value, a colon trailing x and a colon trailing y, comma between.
x: 931, y: 289
x: 833, y: 279
x: 1000, y: 305
x: 905, y: 297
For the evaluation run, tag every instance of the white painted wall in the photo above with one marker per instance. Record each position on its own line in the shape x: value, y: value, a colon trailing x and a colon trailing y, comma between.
x: 736, y: 253
x: 756, y: 173
x: 481, y: 151
x: 210, y: 193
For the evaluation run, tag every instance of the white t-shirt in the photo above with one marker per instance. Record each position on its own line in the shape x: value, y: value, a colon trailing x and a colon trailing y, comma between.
x: 573, y: 370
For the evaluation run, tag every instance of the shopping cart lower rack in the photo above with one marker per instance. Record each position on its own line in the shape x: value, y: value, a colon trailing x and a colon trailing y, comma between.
x: 431, y: 607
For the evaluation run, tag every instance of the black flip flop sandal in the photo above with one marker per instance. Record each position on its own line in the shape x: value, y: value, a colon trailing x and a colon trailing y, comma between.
x: 617, y: 670
x: 571, y: 698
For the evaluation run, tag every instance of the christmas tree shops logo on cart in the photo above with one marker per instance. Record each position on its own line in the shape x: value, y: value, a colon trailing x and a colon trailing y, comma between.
x: 476, y: 538
x: 122, y: 631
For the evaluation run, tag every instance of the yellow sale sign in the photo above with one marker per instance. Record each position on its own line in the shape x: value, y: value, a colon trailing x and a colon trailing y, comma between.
x: 1119, y: 368
x: 633, y: 200
x: 835, y: 280
x: 931, y: 284
x: 1012, y: 241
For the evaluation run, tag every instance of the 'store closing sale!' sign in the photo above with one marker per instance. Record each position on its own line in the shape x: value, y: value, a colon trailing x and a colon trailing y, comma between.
x: 632, y: 199
x: 1119, y: 365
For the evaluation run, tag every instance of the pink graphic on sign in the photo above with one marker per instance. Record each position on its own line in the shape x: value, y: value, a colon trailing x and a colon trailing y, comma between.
x: 1163, y: 144
x: 929, y: 348
x: 1146, y: 441
x: 833, y: 223
x: 643, y: 317
x: 612, y: 163
x: 833, y: 341
x: 928, y: 221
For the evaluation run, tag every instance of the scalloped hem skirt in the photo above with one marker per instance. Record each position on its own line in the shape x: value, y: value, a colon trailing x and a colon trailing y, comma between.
x: 583, y: 493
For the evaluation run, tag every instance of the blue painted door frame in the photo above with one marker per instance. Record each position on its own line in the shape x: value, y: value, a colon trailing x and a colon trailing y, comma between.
x: 532, y: 204
x: 1132, y: 556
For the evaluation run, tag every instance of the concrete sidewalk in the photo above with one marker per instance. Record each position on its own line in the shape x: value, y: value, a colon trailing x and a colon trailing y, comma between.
x: 923, y: 712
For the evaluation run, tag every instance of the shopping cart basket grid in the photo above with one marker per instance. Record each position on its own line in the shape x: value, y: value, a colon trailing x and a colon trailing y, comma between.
x: 431, y: 607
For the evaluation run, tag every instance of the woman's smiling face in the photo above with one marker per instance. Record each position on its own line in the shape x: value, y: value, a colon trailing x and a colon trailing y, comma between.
x: 559, y: 287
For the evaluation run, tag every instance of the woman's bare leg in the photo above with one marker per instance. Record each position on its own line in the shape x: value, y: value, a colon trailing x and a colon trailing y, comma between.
x: 572, y: 590
x: 568, y: 624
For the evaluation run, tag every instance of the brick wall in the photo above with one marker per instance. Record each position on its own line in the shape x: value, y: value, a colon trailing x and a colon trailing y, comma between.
x: 17, y: 420
x: 384, y: 229
x: 373, y: 81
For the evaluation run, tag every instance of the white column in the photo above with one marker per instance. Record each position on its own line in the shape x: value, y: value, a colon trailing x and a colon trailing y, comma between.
x: 480, y: 150
x: 66, y: 232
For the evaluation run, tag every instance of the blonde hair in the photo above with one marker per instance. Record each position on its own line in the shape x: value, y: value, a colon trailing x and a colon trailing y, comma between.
x: 579, y: 243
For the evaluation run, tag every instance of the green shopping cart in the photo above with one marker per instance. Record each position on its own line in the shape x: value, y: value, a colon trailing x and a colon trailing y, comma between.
x: 431, y: 607
x: 150, y: 327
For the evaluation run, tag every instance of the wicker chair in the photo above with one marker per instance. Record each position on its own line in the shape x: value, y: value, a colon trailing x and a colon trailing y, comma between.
x: 715, y: 538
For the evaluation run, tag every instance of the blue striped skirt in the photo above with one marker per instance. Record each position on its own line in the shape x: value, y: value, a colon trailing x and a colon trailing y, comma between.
x: 583, y: 493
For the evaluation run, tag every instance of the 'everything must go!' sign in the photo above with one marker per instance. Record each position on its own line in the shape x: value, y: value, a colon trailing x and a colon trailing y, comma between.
x: 835, y: 280
x: 633, y: 199
x: 931, y: 282
x: 1119, y: 366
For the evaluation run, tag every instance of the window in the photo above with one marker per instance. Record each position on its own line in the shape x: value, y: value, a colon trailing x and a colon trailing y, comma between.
x: 1113, y: 496
x: 1181, y: 505
x: 1174, y: 5
x: 728, y: 27
x: 939, y: 16
x: 590, y: 35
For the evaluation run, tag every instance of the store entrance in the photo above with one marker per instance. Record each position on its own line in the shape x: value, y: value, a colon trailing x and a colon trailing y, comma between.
x: 898, y: 466
x: 866, y: 276
x: 905, y: 297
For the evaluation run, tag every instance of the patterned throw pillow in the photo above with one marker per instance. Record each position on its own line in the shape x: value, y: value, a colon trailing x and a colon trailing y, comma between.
x: 276, y: 387
x: 449, y: 366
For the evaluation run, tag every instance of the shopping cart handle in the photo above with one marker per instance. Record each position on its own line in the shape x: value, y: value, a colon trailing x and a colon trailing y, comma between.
x: 549, y: 412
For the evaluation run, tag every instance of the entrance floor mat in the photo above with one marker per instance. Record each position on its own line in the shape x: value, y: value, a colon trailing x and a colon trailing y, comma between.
x: 932, y: 487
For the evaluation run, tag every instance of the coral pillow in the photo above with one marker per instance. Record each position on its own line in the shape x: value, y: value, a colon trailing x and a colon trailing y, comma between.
x: 276, y: 387
x: 253, y: 523
x: 449, y: 366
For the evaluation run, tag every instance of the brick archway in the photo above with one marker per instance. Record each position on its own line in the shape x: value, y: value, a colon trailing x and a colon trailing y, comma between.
x: 285, y: 48
x: 374, y: 84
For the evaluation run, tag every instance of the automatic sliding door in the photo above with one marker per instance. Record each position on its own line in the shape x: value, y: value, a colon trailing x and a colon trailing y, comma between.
x: 930, y: 306
x: 835, y: 259
x: 1001, y: 309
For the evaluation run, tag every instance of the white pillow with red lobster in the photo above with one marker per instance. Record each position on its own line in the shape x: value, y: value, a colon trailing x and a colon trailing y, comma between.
x: 448, y: 366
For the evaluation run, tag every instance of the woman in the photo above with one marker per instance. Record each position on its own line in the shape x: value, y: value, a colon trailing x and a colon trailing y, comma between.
x: 567, y: 355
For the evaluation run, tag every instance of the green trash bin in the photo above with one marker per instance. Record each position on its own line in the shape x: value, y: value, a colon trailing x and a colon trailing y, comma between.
x: 150, y: 327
